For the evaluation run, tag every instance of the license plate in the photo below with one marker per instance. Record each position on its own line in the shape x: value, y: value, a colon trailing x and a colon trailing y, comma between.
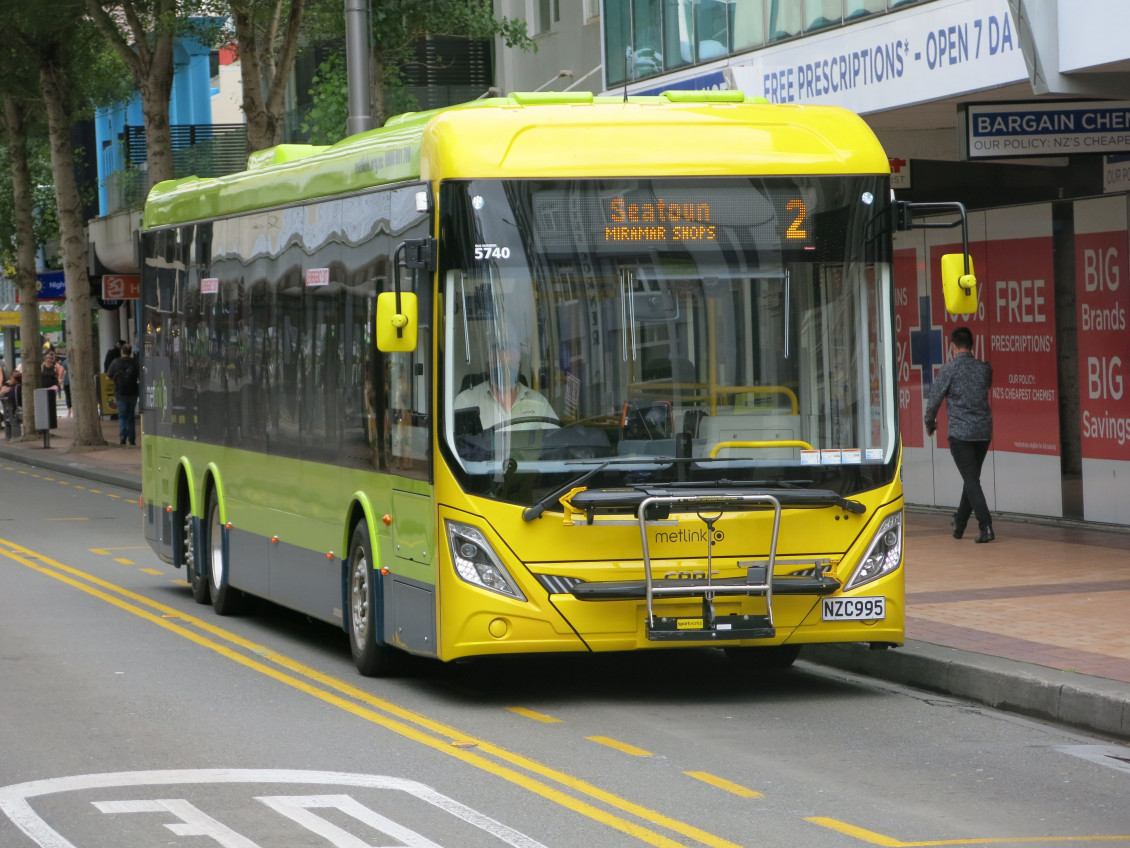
x: 853, y: 609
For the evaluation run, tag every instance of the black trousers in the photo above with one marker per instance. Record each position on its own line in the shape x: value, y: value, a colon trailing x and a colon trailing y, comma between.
x: 969, y: 457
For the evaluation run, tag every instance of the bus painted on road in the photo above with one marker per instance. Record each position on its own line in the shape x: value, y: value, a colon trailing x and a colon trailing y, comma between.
x: 542, y: 373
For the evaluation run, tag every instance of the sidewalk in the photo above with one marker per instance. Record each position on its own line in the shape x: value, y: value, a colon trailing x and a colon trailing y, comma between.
x: 1032, y: 623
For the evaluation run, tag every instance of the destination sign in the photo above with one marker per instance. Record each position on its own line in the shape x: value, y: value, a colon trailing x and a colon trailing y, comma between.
x: 665, y: 220
x: 766, y: 217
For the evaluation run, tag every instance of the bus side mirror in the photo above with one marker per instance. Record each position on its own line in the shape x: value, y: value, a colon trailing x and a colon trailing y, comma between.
x: 396, y: 330
x: 959, y: 285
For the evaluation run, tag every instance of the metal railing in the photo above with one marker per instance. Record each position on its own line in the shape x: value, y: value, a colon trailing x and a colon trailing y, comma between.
x: 199, y: 150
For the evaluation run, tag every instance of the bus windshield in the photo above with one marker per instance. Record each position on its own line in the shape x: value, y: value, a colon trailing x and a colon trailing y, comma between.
x: 666, y: 330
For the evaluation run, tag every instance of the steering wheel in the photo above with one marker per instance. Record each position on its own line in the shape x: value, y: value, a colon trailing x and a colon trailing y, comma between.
x: 523, y: 419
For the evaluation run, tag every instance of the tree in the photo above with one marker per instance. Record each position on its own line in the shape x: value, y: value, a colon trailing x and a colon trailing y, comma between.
x: 267, y: 48
x: 15, y: 128
x: 53, y: 63
x: 142, y: 33
x: 395, y: 27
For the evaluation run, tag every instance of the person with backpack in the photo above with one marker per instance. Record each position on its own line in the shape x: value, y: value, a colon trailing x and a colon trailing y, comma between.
x: 125, y: 371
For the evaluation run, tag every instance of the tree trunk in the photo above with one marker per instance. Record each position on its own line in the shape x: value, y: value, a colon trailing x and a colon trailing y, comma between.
x: 148, y: 53
x: 377, y: 88
x: 80, y: 338
x: 155, y: 95
x: 23, y: 205
x: 266, y: 61
x: 261, y: 131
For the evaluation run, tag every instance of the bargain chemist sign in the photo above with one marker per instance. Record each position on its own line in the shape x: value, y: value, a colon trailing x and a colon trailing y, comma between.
x: 994, y: 130
x: 940, y: 49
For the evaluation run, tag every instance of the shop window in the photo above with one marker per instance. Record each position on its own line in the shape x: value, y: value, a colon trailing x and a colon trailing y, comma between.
x: 748, y: 28
x: 712, y: 29
x: 819, y: 14
x: 855, y: 9
x: 784, y: 19
x: 547, y: 15
x: 617, y: 41
x: 646, y: 58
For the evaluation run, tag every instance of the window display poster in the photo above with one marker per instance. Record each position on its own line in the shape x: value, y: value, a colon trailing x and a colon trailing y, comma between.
x: 1102, y: 302
x: 909, y: 335
x: 1014, y: 330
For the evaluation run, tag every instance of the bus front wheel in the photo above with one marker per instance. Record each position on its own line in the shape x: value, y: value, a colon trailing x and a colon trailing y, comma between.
x: 372, y: 657
x: 226, y: 600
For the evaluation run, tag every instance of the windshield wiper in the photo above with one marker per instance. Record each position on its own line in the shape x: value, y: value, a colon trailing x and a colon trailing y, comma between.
x: 535, y: 511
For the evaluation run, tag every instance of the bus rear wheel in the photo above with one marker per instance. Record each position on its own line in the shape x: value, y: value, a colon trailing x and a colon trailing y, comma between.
x: 768, y: 658
x: 225, y: 599
x: 372, y: 657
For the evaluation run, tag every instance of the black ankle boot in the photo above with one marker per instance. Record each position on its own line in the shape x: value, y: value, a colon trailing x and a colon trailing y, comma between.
x: 958, y: 529
x: 987, y: 535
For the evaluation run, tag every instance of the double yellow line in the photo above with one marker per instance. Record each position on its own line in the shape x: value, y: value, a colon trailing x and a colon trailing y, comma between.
x: 440, y: 737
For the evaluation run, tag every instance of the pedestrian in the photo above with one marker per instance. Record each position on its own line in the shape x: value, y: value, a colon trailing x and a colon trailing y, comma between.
x: 49, y: 373
x: 11, y: 398
x: 112, y: 354
x: 963, y: 383
x: 66, y: 372
x: 124, y: 371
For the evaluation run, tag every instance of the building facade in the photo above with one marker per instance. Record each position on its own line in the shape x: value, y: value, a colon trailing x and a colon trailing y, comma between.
x: 1020, y: 109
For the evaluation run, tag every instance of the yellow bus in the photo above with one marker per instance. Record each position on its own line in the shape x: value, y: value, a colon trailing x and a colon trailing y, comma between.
x: 543, y: 373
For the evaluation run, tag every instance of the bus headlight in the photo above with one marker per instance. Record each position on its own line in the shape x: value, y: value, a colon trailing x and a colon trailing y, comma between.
x: 476, y: 562
x: 884, y: 554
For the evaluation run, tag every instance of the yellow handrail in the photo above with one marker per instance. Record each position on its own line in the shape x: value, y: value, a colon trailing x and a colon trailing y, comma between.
x: 781, y: 443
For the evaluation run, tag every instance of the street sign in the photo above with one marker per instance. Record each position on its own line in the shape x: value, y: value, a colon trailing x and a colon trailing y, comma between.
x: 121, y: 286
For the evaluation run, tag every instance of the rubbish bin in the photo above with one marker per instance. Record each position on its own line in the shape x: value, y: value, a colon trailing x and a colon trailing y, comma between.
x: 46, y: 415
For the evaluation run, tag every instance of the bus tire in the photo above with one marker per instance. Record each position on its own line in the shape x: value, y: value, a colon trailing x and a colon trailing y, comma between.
x: 768, y: 658
x: 200, y: 590
x: 226, y: 600
x: 372, y: 657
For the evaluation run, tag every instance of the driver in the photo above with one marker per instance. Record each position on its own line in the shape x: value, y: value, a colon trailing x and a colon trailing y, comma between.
x: 501, y: 397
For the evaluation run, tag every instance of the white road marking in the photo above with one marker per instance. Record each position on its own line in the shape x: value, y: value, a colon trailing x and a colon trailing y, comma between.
x: 14, y: 800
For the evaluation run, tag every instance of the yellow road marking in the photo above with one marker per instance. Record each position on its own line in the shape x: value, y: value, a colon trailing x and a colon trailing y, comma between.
x: 155, y: 572
x: 722, y: 783
x: 620, y: 746
x: 475, y: 758
x: 124, y: 561
x: 536, y: 716
x: 879, y: 839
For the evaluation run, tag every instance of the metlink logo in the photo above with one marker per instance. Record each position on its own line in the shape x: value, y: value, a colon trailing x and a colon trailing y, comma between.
x: 684, y: 535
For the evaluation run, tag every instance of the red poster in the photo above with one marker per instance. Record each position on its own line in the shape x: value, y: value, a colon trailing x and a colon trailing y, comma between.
x: 907, y: 328
x: 1014, y: 330
x: 1102, y: 302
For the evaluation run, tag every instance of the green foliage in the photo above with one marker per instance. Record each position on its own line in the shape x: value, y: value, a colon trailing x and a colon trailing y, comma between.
x: 326, y: 119
x: 47, y: 220
x: 395, y: 27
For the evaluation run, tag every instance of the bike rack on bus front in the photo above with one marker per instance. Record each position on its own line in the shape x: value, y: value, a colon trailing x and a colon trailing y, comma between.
x: 759, y: 574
